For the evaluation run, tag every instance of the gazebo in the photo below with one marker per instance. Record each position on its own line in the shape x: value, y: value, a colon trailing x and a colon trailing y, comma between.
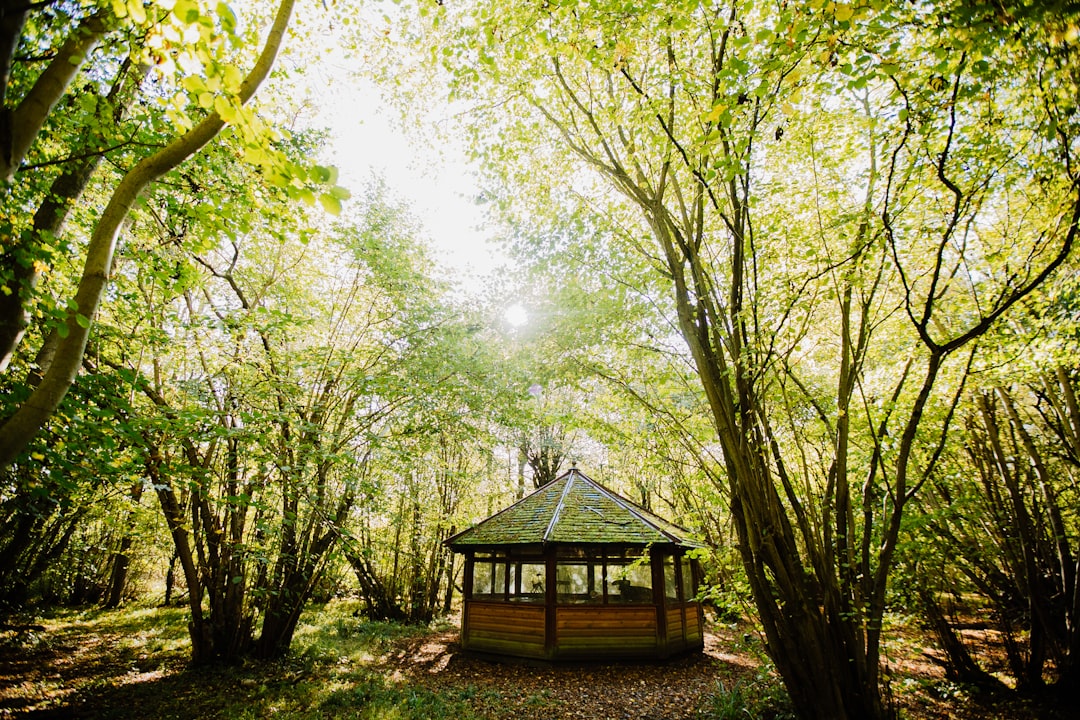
x: 574, y: 571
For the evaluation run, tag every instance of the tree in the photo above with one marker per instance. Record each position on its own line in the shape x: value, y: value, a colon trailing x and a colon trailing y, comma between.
x: 61, y: 515
x: 62, y: 363
x: 819, y: 208
x: 1000, y: 521
x: 266, y: 368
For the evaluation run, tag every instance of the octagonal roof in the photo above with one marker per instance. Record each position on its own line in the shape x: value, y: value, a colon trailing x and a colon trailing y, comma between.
x: 573, y: 510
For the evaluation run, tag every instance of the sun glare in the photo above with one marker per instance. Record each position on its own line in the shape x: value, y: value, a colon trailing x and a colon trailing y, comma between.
x: 516, y: 315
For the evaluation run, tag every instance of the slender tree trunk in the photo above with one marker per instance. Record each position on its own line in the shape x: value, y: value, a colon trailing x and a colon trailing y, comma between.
x: 49, y: 220
x: 22, y: 125
x: 170, y: 579
x: 448, y: 596
x: 122, y: 560
x: 202, y: 638
x: 959, y: 665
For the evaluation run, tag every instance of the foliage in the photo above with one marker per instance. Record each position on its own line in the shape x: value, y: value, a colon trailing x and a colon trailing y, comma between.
x: 815, y: 209
x: 799, y: 276
x: 762, y: 697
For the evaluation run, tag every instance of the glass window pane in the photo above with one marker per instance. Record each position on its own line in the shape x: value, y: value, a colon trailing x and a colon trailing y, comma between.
x: 578, y: 583
x: 499, y: 586
x: 688, y: 591
x: 570, y: 582
x: 531, y: 586
x: 630, y: 583
x: 481, y: 588
x: 671, y: 591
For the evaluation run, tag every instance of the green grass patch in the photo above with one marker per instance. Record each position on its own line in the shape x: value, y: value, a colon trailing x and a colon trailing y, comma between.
x: 762, y: 697
x: 133, y: 663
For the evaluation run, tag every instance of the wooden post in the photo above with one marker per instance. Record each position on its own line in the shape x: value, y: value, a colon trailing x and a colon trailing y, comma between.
x: 656, y: 560
x: 677, y: 560
x: 466, y: 598
x: 550, y: 600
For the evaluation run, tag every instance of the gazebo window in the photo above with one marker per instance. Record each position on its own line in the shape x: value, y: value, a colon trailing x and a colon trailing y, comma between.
x: 671, y: 586
x: 688, y: 589
x: 489, y: 577
x: 498, y: 577
x: 579, y: 582
x: 529, y: 584
x: 629, y: 583
x: 599, y: 577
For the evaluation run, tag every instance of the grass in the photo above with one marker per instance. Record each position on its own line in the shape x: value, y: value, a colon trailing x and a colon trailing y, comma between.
x: 132, y: 663
x: 763, y: 696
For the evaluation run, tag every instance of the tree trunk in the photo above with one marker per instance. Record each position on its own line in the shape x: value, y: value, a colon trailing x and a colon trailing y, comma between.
x: 379, y: 602
x: 448, y: 596
x: 170, y: 579
x: 199, y: 630
x: 49, y: 220
x: 959, y: 665
x: 23, y: 124
x: 121, y: 560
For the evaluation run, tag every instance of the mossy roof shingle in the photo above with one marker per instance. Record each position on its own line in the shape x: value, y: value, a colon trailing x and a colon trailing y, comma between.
x: 572, y: 510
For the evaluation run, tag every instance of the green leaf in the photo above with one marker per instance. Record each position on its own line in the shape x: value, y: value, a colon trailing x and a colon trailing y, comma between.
x: 84, y: 322
x: 227, y: 17
x: 194, y: 83
x: 186, y: 10
x: 137, y: 11
x: 319, y: 174
x: 330, y: 203
x: 225, y: 109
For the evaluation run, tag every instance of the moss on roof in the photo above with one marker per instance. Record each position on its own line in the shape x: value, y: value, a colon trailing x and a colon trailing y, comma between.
x: 573, y: 510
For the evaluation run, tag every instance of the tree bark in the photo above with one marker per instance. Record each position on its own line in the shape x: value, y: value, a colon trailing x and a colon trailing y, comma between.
x: 118, y: 575
x: 22, y: 125
x: 18, y: 256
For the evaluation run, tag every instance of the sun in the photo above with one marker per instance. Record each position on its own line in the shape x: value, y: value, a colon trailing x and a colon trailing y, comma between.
x: 516, y: 315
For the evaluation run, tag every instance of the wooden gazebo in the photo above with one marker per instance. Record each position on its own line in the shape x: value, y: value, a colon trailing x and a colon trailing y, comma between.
x: 576, y: 572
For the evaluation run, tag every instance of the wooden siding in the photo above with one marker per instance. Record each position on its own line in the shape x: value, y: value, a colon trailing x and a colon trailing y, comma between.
x: 675, y: 624
x: 695, y: 633
x: 580, y: 632
x: 501, y: 627
x: 609, y: 631
x: 684, y: 628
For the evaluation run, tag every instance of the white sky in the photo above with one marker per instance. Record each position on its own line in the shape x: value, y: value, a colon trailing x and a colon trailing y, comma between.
x: 437, y: 185
x: 434, y: 181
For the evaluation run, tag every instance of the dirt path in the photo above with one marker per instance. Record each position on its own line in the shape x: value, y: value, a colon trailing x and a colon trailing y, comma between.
x: 672, y: 690
x: 83, y: 671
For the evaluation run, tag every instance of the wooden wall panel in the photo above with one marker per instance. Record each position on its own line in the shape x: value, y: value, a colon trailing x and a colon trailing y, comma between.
x: 601, y: 631
x: 509, y: 628
x: 580, y: 632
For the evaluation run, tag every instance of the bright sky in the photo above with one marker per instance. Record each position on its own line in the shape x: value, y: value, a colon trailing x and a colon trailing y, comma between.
x: 438, y: 186
x: 433, y: 180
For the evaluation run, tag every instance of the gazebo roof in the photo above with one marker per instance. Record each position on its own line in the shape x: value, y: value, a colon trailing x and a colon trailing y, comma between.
x: 572, y: 510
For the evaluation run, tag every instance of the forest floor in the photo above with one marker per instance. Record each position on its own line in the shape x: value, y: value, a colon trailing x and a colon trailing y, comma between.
x: 131, y: 663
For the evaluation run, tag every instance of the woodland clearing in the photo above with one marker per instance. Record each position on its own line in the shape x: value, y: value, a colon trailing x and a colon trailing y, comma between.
x: 133, y: 663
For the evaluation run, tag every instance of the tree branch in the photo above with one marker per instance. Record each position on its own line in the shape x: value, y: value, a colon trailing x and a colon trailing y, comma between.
x: 21, y: 427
